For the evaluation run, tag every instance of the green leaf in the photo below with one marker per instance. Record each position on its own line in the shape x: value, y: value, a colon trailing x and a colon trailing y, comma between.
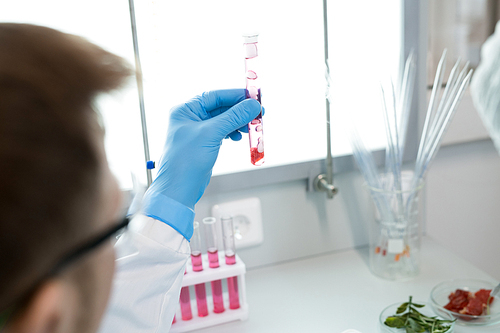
x: 402, y: 308
x: 417, y: 313
x: 415, y: 325
x: 397, y: 322
x: 407, y: 316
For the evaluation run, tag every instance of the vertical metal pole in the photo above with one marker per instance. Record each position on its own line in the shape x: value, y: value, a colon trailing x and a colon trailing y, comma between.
x: 414, y: 38
x: 329, y: 162
x: 140, y: 88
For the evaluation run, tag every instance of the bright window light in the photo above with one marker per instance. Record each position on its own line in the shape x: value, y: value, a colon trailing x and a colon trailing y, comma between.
x: 188, y: 47
x: 107, y: 24
x: 364, y: 50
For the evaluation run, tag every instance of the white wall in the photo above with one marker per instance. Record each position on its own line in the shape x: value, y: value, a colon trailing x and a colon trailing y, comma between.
x: 298, y: 223
x: 463, y: 192
x: 463, y: 202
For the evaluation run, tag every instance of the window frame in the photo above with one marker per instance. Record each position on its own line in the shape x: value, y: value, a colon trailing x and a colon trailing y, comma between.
x: 414, y: 39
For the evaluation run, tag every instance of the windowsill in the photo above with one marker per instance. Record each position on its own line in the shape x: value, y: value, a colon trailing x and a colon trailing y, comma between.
x: 274, y: 175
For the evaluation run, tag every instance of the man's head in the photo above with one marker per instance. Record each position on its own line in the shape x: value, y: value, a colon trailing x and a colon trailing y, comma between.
x: 56, y: 190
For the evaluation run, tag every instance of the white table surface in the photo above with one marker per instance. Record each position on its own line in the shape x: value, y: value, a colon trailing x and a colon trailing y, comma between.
x: 336, y: 292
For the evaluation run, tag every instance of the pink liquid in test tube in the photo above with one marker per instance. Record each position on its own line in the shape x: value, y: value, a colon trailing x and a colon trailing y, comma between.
x: 199, y: 289
x: 185, y: 300
x: 201, y: 299
x: 229, y: 249
x: 186, y: 304
x: 232, y: 286
x: 255, y: 128
x: 196, y: 261
x: 213, y: 262
x: 213, y: 258
x: 230, y: 259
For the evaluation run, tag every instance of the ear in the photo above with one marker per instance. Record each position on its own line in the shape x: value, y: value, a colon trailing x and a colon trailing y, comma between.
x: 51, y: 309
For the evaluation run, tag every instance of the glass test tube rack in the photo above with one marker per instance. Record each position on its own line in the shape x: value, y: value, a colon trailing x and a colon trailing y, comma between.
x: 192, y: 278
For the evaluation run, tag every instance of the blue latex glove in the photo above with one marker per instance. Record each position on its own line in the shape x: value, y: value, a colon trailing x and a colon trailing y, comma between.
x: 194, y: 136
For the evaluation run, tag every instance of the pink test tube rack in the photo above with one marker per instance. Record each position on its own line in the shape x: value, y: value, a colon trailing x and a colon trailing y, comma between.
x: 223, y: 272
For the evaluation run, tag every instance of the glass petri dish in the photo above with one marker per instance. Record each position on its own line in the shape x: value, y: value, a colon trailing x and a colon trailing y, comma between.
x: 426, y: 310
x: 439, y: 298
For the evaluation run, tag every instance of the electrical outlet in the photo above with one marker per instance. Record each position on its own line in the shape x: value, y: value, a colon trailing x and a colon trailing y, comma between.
x: 247, y: 220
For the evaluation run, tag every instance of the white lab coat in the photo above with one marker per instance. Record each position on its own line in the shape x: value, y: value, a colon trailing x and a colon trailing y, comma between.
x: 150, y: 264
x: 485, y: 86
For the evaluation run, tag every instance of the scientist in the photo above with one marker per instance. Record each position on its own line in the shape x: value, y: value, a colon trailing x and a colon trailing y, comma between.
x: 60, y: 204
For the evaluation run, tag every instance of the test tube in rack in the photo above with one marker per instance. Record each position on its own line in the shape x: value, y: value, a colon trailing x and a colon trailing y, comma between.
x: 230, y: 254
x: 213, y: 262
x: 223, y: 272
x: 185, y: 300
x: 255, y: 127
x: 196, y: 260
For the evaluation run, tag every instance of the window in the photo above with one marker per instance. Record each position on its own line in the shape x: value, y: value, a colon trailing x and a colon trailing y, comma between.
x: 107, y: 24
x: 364, y: 50
x: 461, y: 27
x: 191, y: 46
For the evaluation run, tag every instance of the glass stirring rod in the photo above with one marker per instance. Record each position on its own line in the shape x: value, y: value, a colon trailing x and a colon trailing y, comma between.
x: 255, y: 129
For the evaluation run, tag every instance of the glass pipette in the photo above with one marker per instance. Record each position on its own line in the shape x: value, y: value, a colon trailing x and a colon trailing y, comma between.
x: 229, y: 249
x: 213, y: 262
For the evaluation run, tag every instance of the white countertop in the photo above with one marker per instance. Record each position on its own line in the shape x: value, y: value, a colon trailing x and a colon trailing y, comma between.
x: 335, y: 292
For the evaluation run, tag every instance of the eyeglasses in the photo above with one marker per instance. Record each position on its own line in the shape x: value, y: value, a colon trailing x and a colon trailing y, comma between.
x: 89, y: 246
x: 65, y: 261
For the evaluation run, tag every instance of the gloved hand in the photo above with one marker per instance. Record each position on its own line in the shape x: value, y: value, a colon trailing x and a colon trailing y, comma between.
x: 194, y: 136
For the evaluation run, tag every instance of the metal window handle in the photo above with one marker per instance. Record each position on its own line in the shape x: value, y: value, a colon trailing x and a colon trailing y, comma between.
x: 321, y: 184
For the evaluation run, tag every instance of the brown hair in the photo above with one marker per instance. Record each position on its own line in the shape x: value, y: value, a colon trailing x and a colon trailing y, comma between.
x: 49, y: 164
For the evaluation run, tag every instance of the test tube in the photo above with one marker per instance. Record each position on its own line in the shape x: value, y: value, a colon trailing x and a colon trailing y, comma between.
x: 185, y: 300
x: 229, y: 250
x: 213, y: 262
x: 255, y: 129
x: 199, y: 289
x: 186, y: 304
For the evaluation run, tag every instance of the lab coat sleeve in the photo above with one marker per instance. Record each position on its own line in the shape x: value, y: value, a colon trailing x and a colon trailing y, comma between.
x: 150, y: 264
x: 485, y: 86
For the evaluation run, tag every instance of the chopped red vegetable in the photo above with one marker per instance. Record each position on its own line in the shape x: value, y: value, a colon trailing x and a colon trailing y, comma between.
x: 468, y: 303
x: 458, y: 300
x: 483, y: 295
